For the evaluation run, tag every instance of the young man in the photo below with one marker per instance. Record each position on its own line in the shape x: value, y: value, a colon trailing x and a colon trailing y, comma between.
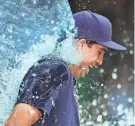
x: 46, y: 95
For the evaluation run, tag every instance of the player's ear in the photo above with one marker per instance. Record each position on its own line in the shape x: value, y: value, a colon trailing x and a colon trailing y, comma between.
x: 82, y: 42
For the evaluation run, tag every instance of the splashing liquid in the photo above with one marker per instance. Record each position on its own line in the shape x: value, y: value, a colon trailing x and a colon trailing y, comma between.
x: 29, y: 30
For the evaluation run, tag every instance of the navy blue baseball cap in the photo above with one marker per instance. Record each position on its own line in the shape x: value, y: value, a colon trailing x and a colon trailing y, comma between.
x: 95, y: 27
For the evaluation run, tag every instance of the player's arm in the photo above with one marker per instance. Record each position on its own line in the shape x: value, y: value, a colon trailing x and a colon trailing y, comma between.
x: 23, y: 115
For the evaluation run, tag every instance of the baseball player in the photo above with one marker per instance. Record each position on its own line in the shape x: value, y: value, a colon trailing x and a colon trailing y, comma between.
x: 46, y: 95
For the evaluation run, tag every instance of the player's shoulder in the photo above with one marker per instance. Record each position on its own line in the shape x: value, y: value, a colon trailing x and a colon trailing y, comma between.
x: 52, y: 63
x: 53, y: 66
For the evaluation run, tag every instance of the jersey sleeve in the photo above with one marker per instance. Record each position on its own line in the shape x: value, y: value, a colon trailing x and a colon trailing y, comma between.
x: 40, y: 86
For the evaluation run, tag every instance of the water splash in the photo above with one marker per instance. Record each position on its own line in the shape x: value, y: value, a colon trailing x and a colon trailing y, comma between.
x: 29, y: 31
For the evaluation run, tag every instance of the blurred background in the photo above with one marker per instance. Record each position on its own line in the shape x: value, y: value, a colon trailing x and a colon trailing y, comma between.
x: 106, y: 94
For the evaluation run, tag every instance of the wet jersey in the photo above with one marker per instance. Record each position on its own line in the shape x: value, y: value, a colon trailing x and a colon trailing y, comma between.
x: 49, y: 86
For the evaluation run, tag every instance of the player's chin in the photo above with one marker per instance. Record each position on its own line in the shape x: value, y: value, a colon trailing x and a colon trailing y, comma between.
x: 82, y: 75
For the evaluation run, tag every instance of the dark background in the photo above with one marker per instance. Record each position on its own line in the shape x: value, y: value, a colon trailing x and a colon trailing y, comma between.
x: 96, y: 84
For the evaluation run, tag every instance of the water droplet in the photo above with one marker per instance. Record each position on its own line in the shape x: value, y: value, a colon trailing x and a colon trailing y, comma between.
x: 36, y: 64
x: 52, y: 22
x: 115, y: 70
x: 112, y: 98
x: 131, y: 44
x: 114, y: 2
x: 130, y: 100
x: 104, y: 113
x: 34, y: 74
x: 106, y: 96
x: 37, y: 97
x: 102, y: 106
x: 126, y: 40
x: 102, y: 70
x: 131, y: 52
x: 53, y: 102
x: 114, y: 76
x: 99, y: 118
x: 120, y: 107
x: 102, y: 85
x: 28, y: 90
x: 94, y: 102
x: 56, y: 120
x: 119, y: 86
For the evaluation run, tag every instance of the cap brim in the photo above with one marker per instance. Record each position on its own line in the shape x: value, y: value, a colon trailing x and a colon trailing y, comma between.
x: 113, y: 45
x: 110, y: 44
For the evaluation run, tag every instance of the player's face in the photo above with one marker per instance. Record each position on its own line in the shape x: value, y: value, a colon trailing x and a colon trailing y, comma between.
x: 93, y: 54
